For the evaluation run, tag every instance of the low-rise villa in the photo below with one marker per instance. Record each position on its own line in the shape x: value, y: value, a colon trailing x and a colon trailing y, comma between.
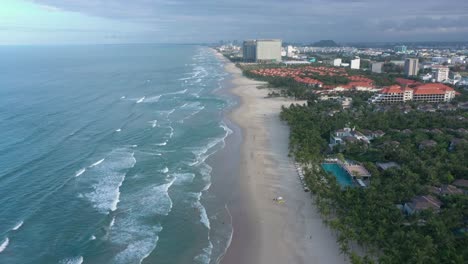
x: 420, y: 203
x: 341, y: 136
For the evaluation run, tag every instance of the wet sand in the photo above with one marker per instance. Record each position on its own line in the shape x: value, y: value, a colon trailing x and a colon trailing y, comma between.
x: 265, y: 231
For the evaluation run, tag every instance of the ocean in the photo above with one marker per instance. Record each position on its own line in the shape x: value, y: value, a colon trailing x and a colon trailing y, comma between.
x: 104, y: 154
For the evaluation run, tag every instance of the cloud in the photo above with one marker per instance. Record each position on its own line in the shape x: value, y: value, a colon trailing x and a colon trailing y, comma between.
x: 296, y: 20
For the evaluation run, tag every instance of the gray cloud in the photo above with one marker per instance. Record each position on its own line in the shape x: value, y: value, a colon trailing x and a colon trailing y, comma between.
x: 294, y: 20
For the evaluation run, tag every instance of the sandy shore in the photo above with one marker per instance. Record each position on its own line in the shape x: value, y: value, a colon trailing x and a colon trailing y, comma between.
x: 265, y: 231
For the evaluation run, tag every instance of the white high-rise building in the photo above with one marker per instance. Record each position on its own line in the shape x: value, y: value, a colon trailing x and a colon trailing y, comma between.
x: 290, y: 51
x: 262, y: 50
x: 356, y: 64
x: 269, y: 50
x: 337, y: 62
x: 440, y: 73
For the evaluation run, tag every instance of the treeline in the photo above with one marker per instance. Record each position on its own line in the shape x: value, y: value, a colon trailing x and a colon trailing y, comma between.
x: 370, y: 216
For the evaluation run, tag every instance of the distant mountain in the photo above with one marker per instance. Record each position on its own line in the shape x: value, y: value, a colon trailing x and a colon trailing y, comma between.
x: 325, y: 43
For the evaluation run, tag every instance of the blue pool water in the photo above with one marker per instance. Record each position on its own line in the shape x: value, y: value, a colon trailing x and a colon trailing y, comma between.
x: 341, y: 175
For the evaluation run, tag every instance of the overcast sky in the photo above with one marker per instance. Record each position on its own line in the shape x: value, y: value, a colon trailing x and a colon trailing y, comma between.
x: 186, y: 21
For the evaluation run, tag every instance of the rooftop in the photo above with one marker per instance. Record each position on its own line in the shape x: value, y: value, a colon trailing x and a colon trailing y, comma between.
x: 395, y: 89
x: 461, y: 183
x: 432, y: 88
x: 425, y: 202
x: 387, y: 165
x: 356, y: 170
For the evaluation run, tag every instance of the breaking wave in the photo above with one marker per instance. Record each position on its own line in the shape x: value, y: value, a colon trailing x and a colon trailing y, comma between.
x: 74, y: 260
x: 108, y: 178
x: 4, y: 244
x: 81, y: 171
x: 17, y: 226
x: 97, y: 163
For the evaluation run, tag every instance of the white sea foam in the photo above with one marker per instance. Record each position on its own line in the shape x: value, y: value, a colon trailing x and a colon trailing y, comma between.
x: 152, y: 99
x: 192, y: 114
x: 17, y: 226
x: 139, y: 242
x: 183, y: 178
x: 132, y: 232
x: 93, y: 237
x: 171, y: 134
x: 228, y: 244
x: 108, y: 179
x: 4, y: 244
x: 97, y: 163
x: 202, y: 154
x: 81, y: 171
x: 170, y: 112
x: 123, y: 97
x: 205, y: 256
x: 118, y: 130
x: 74, y: 260
x: 177, y: 92
x: 201, y: 209
x: 165, y: 170
x: 205, y: 170
x: 157, y: 197
x: 162, y: 143
x: 153, y: 123
x: 141, y: 100
x: 112, y: 222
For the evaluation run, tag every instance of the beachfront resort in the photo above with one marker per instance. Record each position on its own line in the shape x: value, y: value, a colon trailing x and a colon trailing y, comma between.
x: 381, y: 153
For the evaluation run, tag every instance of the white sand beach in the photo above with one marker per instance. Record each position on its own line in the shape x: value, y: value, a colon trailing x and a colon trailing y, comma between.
x: 266, y: 231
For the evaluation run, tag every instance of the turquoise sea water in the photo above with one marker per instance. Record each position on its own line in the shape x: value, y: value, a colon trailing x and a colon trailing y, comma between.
x: 341, y: 175
x: 103, y: 154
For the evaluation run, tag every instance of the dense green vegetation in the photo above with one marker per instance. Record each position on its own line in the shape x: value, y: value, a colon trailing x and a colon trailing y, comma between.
x: 370, y: 217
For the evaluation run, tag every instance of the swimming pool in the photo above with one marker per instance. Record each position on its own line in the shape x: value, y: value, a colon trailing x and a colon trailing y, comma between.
x: 341, y: 175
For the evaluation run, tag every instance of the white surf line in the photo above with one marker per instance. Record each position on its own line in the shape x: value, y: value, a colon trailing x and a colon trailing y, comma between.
x: 4, y: 245
x: 81, y: 171
x: 17, y: 226
x: 96, y: 163
x: 141, y: 100
x: 220, y: 258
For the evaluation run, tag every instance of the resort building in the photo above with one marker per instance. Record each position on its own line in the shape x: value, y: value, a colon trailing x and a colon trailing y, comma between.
x: 341, y: 136
x: 411, y: 67
x: 461, y: 183
x: 432, y: 93
x: 337, y: 62
x: 249, y: 51
x: 355, y: 64
x: 393, y: 94
x: 356, y: 171
x: 383, y: 166
x: 424, y: 202
x: 444, y: 190
x: 269, y: 50
x: 262, y: 50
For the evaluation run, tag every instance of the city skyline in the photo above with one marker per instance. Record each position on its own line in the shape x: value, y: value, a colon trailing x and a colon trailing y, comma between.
x: 183, y: 21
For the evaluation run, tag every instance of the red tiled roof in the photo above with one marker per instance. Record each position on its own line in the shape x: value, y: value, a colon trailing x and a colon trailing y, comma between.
x: 432, y: 88
x: 394, y: 89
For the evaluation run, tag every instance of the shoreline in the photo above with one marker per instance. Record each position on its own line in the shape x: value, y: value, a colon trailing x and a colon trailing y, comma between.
x: 265, y: 231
